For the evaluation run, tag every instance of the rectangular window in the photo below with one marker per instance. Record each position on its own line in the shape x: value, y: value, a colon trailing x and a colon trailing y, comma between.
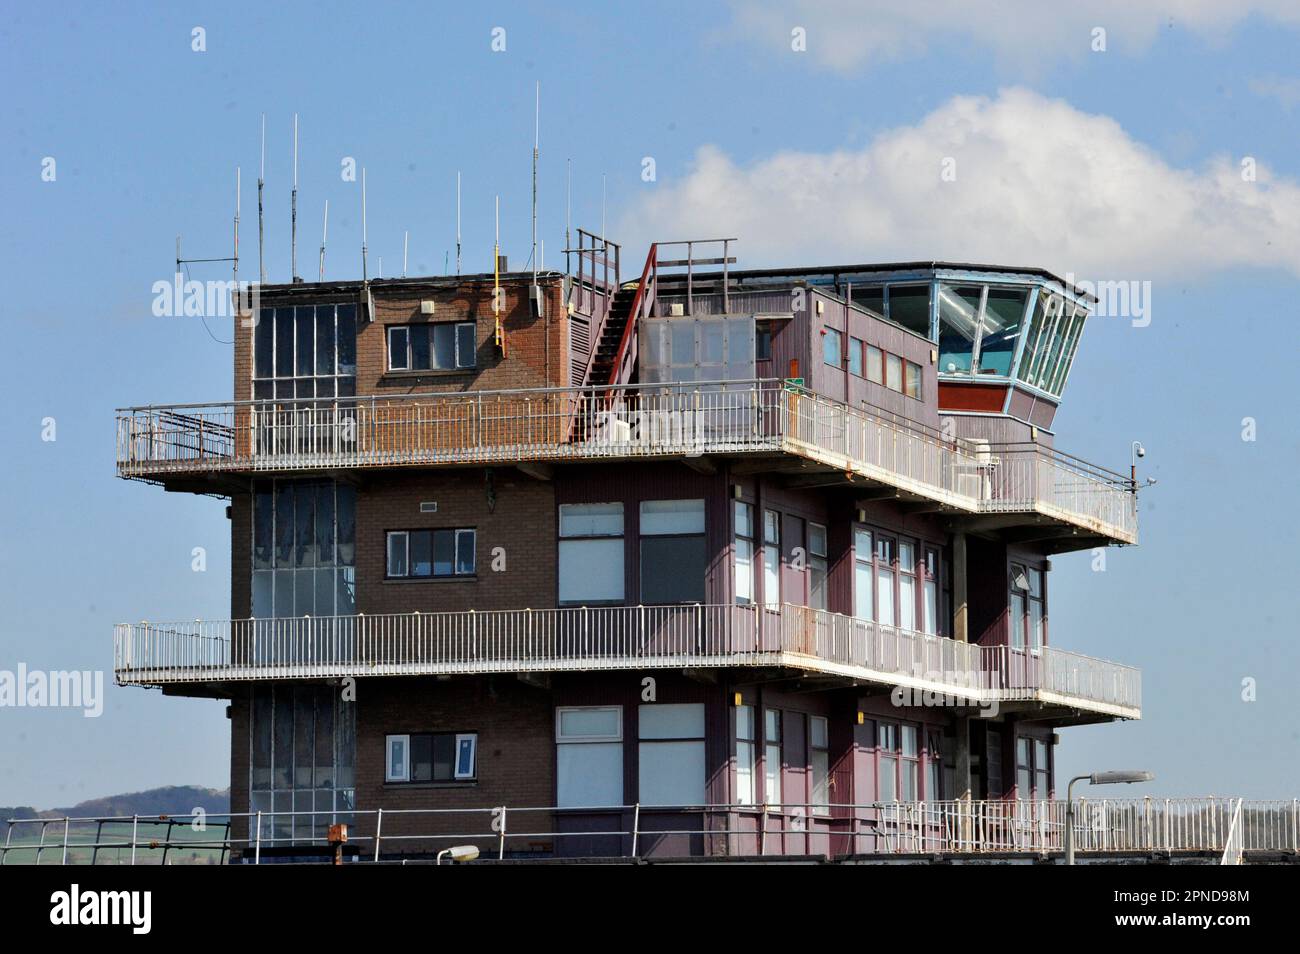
x: 745, y: 742
x: 885, y: 581
x: 832, y: 348
x: 1027, y: 609
x: 1024, y: 769
x: 893, y: 372
x: 428, y: 554
x: 930, y: 602
x: 763, y: 341
x: 907, y: 585
x: 772, y: 756
x: 816, y: 566
x: 909, y: 306
x: 855, y: 357
x: 820, y: 763
x: 591, y: 553
x: 863, y: 584
x: 447, y: 346
x: 743, y: 516
x: 671, y: 754
x: 673, y: 559
x: 432, y: 757
x: 912, y: 380
x: 771, y: 558
x: 589, y: 756
x: 875, y: 365
x: 909, y: 764
x: 887, y: 762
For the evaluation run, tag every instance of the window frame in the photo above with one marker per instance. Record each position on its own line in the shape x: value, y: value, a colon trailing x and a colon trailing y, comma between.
x: 429, y: 328
x: 738, y: 507
x: 457, y: 534
x: 562, y: 538
x: 643, y: 535
x: 406, y: 738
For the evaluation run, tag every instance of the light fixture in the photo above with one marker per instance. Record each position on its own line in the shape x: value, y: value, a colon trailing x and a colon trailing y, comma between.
x: 458, y: 853
x: 1124, y: 777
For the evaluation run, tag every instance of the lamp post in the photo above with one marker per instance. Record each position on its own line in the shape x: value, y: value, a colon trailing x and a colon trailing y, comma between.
x: 1136, y: 450
x: 1096, y: 778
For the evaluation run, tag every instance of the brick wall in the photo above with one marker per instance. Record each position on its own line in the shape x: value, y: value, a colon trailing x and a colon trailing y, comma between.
x: 521, y: 522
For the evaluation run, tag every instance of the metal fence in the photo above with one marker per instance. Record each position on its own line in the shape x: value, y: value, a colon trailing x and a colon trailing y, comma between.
x: 611, y: 637
x: 624, y: 422
x: 1230, y: 828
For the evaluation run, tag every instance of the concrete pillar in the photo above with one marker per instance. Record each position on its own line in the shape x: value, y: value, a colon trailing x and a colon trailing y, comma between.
x: 959, y: 581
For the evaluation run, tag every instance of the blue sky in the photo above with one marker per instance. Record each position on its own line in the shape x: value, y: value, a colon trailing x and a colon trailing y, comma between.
x: 1122, y: 164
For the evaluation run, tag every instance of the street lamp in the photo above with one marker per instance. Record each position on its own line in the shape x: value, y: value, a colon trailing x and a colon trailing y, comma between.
x: 1096, y: 778
x: 458, y: 853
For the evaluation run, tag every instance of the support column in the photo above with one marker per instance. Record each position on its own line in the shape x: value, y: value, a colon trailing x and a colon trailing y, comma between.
x: 959, y: 581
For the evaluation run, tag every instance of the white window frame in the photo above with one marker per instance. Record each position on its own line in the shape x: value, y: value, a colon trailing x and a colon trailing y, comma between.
x: 458, y: 328
x: 472, y: 738
x: 578, y: 740
x: 389, y: 775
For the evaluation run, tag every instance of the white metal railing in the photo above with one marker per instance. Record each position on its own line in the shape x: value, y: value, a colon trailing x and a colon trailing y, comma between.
x: 622, y: 422
x: 843, y: 831
x: 611, y: 637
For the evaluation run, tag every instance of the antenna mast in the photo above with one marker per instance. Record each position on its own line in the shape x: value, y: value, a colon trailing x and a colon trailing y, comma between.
x: 293, y: 209
x: 324, y: 232
x: 457, y: 222
x: 261, y: 180
x: 568, y: 210
x: 406, y: 238
x: 537, y: 130
x: 238, y: 184
x: 363, y: 224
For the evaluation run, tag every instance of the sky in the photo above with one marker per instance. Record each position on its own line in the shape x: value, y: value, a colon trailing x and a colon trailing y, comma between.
x: 1162, y: 149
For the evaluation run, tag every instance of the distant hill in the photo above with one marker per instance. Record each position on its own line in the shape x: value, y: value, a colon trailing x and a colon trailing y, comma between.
x: 171, y: 800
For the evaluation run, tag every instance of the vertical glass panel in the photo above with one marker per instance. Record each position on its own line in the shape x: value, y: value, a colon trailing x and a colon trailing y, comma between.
x: 420, y: 355
x: 930, y: 621
x: 421, y: 758
x: 744, y: 519
x: 345, y: 594
x: 305, y: 525
x: 888, y: 779
x: 284, y: 525
x: 283, y: 343
x: 346, y: 497
x: 591, y: 520
x: 1036, y: 624
x: 893, y: 372
x: 909, y: 306
x: 771, y: 575
x: 855, y: 357
x: 1033, y: 335
x: 444, y: 346
x: 325, y: 346
x: 682, y: 342
x: 591, y: 571
x: 672, y: 516
x: 305, y: 326
x: 304, y: 714
x: 261, y: 754
x: 282, y: 755
x: 465, y: 551
x: 959, y: 308
x: 907, y: 601
x: 264, y: 344
x: 323, y: 583
x: 444, y: 754
x: 398, y: 348
x: 263, y: 590
x: 466, y: 345
x: 347, y: 339
x: 283, y: 596
x: 1004, y: 309
x: 862, y: 589
x: 397, y: 551
x: 421, y: 553
x: 304, y: 388
x: 324, y: 524
x: 304, y: 593
x: 875, y: 365
x: 1017, y: 619
x: 263, y: 524
x: 912, y: 380
x: 444, y: 552
x: 871, y: 297
x: 744, y: 773
x: 1057, y: 382
x: 712, y: 342
x: 885, y: 596
x: 831, y: 346
x: 744, y: 557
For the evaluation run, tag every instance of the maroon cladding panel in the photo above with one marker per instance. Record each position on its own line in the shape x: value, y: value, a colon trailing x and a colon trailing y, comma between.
x: 954, y: 396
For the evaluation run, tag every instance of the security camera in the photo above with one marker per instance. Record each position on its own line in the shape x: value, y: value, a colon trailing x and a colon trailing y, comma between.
x: 1141, y: 451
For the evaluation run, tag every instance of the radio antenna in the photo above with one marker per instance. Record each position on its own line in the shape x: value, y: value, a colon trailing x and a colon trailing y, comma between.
x: 568, y: 209
x: 537, y: 133
x: 324, y: 233
x: 238, y: 184
x: 364, y: 274
x: 293, y: 209
x: 457, y: 221
x: 261, y: 181
x: 406, y: 239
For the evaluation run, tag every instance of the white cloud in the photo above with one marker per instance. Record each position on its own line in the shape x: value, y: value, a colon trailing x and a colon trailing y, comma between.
x: 1284, y: 89
x: 847, y: 35
x: 1039, y: 183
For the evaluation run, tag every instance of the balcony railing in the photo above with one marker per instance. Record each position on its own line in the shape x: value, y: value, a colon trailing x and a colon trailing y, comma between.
x: 617, y: 637
x: 630, y: 422
x: 1233, y: 828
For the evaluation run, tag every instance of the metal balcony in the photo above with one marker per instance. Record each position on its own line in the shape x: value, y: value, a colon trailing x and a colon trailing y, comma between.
x: 589, y: 639
x: 736, y: 419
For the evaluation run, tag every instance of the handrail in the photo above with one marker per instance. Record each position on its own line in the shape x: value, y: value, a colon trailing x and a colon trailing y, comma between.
x: 843, y: 831
x: 581, y: 638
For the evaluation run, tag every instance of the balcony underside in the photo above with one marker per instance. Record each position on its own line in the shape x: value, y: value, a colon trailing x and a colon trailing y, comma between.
x: 789, y: 643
